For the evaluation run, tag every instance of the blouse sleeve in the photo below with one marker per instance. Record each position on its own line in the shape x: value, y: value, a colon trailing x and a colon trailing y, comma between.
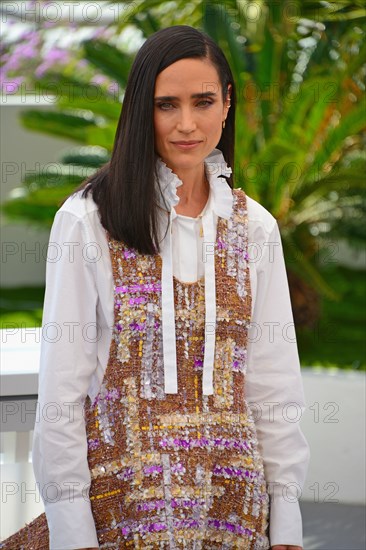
x: 68, y: 360
x: 274, y: 389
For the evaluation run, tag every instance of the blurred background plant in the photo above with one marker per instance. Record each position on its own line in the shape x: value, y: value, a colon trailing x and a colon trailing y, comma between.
x: 301, y: 119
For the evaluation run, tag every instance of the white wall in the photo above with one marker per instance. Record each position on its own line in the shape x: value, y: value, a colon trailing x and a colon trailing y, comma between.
x: 334, y: 425
x: 23, y: 151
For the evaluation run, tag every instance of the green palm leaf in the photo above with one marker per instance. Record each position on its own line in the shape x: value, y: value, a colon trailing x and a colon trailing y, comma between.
x: 109, y: 59
x: 72, y: 125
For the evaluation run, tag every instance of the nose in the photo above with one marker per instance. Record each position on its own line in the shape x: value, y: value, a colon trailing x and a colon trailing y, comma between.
x: 186, y: 122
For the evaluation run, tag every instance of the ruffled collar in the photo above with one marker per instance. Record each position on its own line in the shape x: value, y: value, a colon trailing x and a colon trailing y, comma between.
x: 221, y: 204
x: 215, y: 166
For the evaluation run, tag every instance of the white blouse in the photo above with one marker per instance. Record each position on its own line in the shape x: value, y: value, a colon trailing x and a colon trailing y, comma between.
x: 77, y: 325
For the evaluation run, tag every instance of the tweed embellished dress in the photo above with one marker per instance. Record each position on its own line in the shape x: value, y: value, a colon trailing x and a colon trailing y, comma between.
x: 183, y: 470
x: 174, y: 470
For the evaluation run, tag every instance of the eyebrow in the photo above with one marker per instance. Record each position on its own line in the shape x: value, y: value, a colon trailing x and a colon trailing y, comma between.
x: 193, y: 96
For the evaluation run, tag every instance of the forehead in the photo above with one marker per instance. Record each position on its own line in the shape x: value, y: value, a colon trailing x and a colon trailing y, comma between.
x: 188, y: 76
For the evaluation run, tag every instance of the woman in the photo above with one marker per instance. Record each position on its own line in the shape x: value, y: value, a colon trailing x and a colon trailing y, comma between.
x: 165, y: 354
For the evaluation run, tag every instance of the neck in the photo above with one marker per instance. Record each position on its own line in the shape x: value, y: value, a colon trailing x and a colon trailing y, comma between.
x: 195, y: 186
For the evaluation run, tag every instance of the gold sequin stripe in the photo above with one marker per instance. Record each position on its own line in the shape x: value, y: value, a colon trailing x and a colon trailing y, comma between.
x: 197, y: 419
x: 182, y: 535
x: 106, y: 495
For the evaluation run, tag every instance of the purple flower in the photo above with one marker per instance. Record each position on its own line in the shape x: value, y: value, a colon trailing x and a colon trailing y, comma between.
x: 99, y: 79
x: 11, y: 86
x: 113, y: 88
x: 82, y: 64
x: 56, y: 54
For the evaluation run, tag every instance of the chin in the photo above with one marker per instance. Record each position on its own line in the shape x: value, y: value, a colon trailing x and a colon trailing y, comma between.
x: 188, y: 162
x: 189, y: 155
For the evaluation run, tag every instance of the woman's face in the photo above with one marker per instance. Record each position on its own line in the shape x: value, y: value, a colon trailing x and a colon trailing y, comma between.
x: 188, y: 107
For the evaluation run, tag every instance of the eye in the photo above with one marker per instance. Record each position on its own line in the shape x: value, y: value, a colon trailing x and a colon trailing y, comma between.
x: 164, y: 106
x: 205, y: 103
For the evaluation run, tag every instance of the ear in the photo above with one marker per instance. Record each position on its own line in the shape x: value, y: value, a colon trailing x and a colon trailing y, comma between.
x: 227, y: 100
x: 228, y: 94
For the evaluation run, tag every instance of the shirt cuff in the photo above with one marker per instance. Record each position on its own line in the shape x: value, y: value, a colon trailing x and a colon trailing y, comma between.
x: 285, y: 521
x: 71, y: 525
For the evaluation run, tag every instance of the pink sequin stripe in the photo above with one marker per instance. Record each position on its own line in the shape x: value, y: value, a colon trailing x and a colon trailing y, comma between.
x: 135, y: 287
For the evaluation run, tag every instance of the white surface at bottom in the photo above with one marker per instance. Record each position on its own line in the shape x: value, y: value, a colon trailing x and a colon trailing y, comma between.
x: 19, y: 358
x: 21, y: 501
x: 334, y: 425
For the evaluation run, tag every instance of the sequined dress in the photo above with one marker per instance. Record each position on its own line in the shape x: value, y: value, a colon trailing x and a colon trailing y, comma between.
x: 181, y: 470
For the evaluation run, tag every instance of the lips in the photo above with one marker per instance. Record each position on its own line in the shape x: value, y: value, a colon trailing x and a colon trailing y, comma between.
x: 186, y: 145
x: 186, y: 142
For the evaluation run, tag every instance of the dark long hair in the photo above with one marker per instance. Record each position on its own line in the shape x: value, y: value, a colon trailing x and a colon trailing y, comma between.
x: 124, y: 188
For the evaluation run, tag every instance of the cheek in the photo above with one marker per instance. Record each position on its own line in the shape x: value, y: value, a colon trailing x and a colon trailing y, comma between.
x: 213, y: 128
x: 160, y: 128
x: 213, y: 122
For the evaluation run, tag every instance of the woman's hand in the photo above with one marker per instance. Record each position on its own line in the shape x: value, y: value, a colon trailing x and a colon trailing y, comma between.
x: 285, y: 547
